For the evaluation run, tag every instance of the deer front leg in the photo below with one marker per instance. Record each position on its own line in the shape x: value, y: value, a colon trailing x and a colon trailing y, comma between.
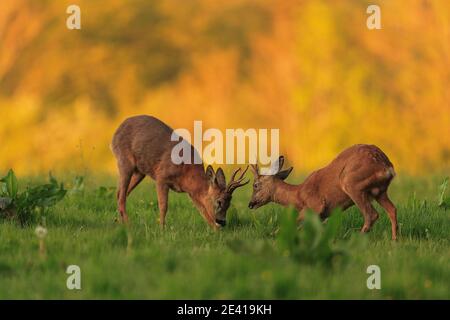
x: 301, y: 215
x: 162, y: 191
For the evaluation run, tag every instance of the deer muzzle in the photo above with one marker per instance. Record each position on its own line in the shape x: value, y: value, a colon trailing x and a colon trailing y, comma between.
x: 221, y: 223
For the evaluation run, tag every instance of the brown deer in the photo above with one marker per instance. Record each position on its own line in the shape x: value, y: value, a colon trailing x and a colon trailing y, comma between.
x: 357, y: 175
x: 142, y: 146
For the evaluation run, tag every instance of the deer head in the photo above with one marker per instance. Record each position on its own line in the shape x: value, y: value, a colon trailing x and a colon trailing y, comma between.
x: 219, y: 194
x: 264, y: 185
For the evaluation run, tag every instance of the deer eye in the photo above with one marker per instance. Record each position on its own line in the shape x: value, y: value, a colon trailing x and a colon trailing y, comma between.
x: 219, y: 204
x: 256, y: 185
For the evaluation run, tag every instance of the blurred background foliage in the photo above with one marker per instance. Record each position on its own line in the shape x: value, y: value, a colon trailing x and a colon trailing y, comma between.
x: 310, y: 68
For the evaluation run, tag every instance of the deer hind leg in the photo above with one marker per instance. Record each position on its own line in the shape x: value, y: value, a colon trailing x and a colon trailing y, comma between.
x: 136, y: 178
x: 125, y: 172
x: 162, y: 191
x: 362, y: 201
x: 387, y: 205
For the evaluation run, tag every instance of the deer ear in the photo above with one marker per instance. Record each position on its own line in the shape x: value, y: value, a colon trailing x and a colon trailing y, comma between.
x: 210, y: 174
x: 284, y: 174
x: 280, y: 163
x: 277, y: 165
x: 220, y: 179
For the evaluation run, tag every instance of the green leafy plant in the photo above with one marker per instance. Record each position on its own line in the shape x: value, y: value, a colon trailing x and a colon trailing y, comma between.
x: 27, y: 205
x: 8, y: 192
x: 105, y: 192
x: 443, y: 201
x: 10, y: 186
x: 314, y: 242
x: 78, y: 186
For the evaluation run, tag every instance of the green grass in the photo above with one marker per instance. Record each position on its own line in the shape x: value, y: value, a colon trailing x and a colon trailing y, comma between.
x: 190, y: 261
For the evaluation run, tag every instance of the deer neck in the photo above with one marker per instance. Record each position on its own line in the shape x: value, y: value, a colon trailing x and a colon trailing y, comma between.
x: 196, y: 184
x: 286, y: 194
x: 199, y: 194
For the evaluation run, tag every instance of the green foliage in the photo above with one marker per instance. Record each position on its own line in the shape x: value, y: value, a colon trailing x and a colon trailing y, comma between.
x: 416, y: 204
x: 10, y: 184
x: 78, y: 186
x: 443, y: 201
x: 241, y: 261
x: 314, y: 242
x: 5, y: 202
x: 33, y: 201
x: 105, y: 192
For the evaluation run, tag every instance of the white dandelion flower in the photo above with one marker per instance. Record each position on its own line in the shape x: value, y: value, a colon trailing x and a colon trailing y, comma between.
x: 41, y: 232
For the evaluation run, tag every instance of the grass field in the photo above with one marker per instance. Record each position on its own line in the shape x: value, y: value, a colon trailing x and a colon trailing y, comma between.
x: 245, y: 260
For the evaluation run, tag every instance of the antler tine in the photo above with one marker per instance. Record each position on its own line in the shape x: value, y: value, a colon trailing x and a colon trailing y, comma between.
x: 240, y: 177
x: 255, y: 168
x: 234, y: 174
x: 237, y: 183
x: 242, y: 174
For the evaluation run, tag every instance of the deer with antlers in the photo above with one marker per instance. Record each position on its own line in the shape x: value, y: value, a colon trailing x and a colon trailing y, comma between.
x: 358, y: 175
x: 142, y: 146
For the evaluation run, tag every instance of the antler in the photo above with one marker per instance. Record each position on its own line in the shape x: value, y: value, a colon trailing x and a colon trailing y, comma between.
x: 255, y: 169
x: 234, y: 184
